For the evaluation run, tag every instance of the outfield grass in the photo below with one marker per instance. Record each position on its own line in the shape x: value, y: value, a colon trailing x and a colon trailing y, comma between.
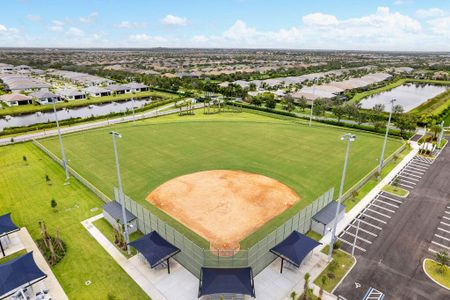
x: 308, y: 159
x: 25, y: 193
x: 32, y: 108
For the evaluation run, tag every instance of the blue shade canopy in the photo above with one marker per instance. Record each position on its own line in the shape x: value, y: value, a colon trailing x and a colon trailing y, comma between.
x: 226, y: 281
x: 17, y: 272
x: 295, y: 248
x: 154, y: 248
x: 114, y: 209
x: 7, y: 225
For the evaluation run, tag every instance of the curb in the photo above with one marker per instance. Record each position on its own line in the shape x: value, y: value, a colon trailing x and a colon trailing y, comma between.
x: 428, y: 275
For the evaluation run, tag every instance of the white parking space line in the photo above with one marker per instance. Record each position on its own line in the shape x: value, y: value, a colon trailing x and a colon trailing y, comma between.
x: 409, y: 178
x: 411, y: 170
x: 407, y: 186
x: 422, y: 170
x: 443, y: 223
x: 408, y: 173
x: 370, y: 224
x: 407, y: 181
x: 389, y: 198
x: 447, y: 218
x: 351, y: 244
x: 369, y: 216
x: 377, y: 212
x: 421, y: 165
x: 444, y: 230
x: 448, y: 213
x: 363, y: 230
x: 442, y: 237
x: 358, y: 237
x: 440, y: 245
x: 385, y: 203
x: 433, y: 251
x: 387, y: 209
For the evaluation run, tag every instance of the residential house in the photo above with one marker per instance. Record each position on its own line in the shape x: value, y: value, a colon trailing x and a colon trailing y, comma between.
x: 43, y: 97
x: 117, y: 89
x: 95, y: 91
x: 136, y: 87
x: 16, y: 99
x: 71, y: 94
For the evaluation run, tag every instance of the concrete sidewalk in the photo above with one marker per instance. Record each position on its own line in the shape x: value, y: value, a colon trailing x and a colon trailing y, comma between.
x: 156, y: 283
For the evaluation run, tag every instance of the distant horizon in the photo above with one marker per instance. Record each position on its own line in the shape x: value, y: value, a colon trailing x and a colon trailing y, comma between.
x: 379, y: 25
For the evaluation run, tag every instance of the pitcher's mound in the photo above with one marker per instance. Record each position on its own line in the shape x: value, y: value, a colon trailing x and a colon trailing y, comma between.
x: 223, y: 206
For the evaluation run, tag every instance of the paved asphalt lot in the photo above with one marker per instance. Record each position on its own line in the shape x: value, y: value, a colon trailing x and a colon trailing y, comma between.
x: 392, y: 262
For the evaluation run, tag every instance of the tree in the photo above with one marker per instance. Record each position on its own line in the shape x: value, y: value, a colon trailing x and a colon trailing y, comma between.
x: 339, y: 111
x: 302, y: 103
x: 406, y: 122
x: 24, y: 158
x: 443, y: 259
x: 323, y: 281
x: 256, y: 101
x: 308, y: 292
x: 397, y: 110
x: 288, y: 103
x: 436, y: 129
x: 351, y: 110
x: 270, y: 103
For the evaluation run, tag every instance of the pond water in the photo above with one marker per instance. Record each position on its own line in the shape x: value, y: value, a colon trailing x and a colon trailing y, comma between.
x: 76, y: 112
x: 408, y: 96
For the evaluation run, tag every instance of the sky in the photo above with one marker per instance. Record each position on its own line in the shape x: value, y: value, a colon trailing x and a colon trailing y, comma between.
x: 388, y: 25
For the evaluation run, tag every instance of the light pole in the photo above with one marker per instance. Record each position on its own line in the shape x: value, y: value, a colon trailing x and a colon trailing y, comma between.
x: 132, y: 108
x: 63, y: 154
x: 356, y: 236
x: 349, y: 138
x: 311, y: 113
x: 121, y: 196
x: 380, y: 166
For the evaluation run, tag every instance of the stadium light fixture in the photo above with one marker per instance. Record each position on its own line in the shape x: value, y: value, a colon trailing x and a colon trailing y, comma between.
x: 380, y: 166
x: 63, y: 154
x: 121, y: 195
x: 349, y: 138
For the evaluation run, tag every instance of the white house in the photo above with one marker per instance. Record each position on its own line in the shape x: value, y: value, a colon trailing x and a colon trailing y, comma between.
x: 71, y: 94
x: 16, y: 99
x: 43, y: 97
x: 96, y: 91
x: 118, y: 89
x: 136, y: 87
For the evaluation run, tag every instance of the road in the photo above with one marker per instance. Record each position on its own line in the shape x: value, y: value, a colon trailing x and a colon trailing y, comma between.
x: 393, y: 263
x: 41, y: 134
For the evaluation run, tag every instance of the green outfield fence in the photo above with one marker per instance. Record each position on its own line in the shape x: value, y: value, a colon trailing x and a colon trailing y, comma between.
x: 193, y: 257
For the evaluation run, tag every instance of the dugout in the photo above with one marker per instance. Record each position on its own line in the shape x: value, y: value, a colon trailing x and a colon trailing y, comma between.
x: 324, y: 218
x: 112, y: 211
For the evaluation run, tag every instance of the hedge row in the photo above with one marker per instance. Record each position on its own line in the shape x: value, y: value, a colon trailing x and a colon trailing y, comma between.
x: 392, y: 132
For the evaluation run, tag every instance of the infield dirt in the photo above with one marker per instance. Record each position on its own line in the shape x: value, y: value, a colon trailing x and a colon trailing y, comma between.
x: 223, y: 206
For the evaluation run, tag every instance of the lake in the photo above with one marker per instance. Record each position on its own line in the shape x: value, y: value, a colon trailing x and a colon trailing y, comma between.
x: 408, y: 96
x: 68, y: 113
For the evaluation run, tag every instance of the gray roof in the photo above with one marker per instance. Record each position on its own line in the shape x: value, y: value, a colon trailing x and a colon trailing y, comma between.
x: 326, y: 215
x: 135, y: 85
x: 43, y: 95
x: 96, y: 90
x: 116, y: 87
x: 70, y: 92
x: 114, y: 209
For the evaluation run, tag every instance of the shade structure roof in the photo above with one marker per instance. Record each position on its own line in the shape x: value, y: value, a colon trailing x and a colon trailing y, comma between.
x: 327, y: 214
x: 226, y: 281
x: 154, y: 248
x: 7, y: 225
x: 295, y: 248
x: 114, y: 209
x: 18, y: 272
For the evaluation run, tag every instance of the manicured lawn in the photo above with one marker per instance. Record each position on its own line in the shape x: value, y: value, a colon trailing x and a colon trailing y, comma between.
x: 432, y: 268
x: 307, y: 159
x: 12, y: 256
x: 339, y: 266
x: 108, y: 232
x: 435, y: 105
x: 313, y: 235
x: 25, y: 193
x: 31, y: 108
x: 369, y: 185
x: 395, y: 190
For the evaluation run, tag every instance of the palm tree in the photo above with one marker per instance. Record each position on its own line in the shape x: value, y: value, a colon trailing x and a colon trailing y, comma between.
x: 436, y: 129
x: 323, y: 281
x: 443, y: 260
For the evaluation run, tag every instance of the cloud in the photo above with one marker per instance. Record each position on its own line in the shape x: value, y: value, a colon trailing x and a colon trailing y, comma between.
x: 401, y: 2
x: 200, y: 38
x: 320, y: 19
x: 34, y: 18
x: 239, y: 31
x: 89, y: 19
x: 143, y: 37
x: 440, y: 26
x: 430, y: 13
x: 131, y: 25
x: 56, y: 26
x: 75, y: 32
x: 174, y: 20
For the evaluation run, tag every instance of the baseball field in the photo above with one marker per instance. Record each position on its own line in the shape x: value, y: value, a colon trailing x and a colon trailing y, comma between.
x: 305, y: 160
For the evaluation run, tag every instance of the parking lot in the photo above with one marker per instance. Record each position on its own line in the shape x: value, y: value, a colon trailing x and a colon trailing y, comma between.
x: 366, y: 227
x: 396, y: 234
